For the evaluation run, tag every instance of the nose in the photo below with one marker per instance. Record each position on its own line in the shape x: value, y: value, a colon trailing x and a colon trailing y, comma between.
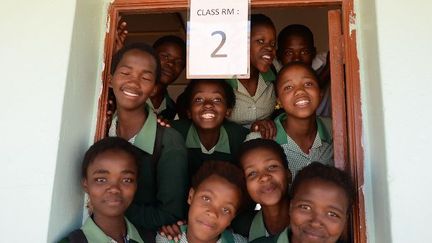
x: 264, y: 177
x: 211, y: 211
x: 299, y: 90
x: 297, y: 56
x: 316, y: 220
x: 208, y: 103
x: 114, y: 188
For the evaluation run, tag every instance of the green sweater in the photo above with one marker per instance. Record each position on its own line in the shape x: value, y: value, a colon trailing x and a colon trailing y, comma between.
x: 231, y: 137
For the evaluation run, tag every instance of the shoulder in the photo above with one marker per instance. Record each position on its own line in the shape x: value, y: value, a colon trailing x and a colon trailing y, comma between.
x: 327, y: 123
x: 238, y: 238
x: 182, y: 126
x: 171, y: 137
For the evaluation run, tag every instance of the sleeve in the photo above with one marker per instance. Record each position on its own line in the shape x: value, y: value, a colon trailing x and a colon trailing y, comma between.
x: 171, y: 189
x: 253, y: 135
x: 239, y: 239
x: 161, y: 239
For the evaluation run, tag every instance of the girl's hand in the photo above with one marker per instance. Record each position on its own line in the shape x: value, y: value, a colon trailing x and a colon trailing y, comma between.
x: 120, y: 35
x: 266, y: 128
x: 172, y: 232
x: 163, y: 122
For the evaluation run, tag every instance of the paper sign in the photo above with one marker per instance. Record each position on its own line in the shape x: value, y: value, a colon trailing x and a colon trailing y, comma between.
x: 218, y: 39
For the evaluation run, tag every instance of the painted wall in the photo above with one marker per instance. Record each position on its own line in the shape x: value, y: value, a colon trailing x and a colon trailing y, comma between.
x: 49, y: 64
x: 394, y: 49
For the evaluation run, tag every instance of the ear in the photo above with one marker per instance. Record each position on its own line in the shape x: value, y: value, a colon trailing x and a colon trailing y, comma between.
x: 84, y: 184
x: 188, y: 113
x: 110, y: 77
x: 191, y: 194
x: 288, y: 176
x: 228, y: 112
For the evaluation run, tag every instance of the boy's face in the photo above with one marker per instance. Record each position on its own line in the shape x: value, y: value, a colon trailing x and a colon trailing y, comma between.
x: 318, y: 212
x: 298, y: 92
x: 266, y: 177
x: 296, y: 49
x: 111, y: 183
x: 208, y: 106
x: 262, y: 47
x: 213, y: 206
x: 172, y: 62
x: 134, y: 79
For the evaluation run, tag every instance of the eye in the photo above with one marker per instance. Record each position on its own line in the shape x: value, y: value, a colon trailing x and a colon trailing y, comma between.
x: 164, y: 56
x: 205, y: 199
x: 304, y: 207
x: 304, y: 52
x: 198, y: 100
x: 178, y: 62
x: 217, y: 100
x: 128, y: 180
x: 260, y: 41
x: 251, y: 174
x: 124, y: 73
x: 333, y: 214
x: 273, y: 167
x: 100, y: 180
x: 288, y: 87
x: 226, y: 211
x: 273, y: 44
x: 288, y: 53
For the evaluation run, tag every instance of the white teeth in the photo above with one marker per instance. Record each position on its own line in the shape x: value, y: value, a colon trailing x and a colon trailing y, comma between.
x: 208, y: 116
x: 266, y: 57
x: 130, y: 93
x: 302, y: 102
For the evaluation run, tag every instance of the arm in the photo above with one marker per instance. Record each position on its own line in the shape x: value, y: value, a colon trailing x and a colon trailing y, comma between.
x: 267, y: 128
x: 171, y: 189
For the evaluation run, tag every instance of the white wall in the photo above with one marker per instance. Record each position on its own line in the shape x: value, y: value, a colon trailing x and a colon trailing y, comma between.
x: 394, y: 49
x: 49, y: 66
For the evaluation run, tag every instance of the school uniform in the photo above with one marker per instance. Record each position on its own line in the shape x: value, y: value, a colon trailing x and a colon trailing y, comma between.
x: 94, y: 234
x: 252, y: 108
x: 162, y: 185
x: 321, y: 150
x: 231, y: 136
x: 283, y: 237
x: 318, y: 63
x: 167, y: 108
x: 226, y: 237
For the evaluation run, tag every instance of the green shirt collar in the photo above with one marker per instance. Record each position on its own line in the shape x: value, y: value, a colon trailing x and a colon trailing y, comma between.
x: 268, y: 77
x: 147, y: 135
x: 281, y: 136
x: 94, y: 234
x: 257, y: 228
x: 283, y: 237
x: 225, y: 237
x: 193, y: 140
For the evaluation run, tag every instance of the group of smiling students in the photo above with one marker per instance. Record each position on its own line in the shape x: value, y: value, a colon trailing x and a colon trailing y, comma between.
x: 200, y: 178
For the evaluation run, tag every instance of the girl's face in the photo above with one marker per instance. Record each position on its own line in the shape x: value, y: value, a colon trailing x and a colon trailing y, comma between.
x: 262, y: 47
x: 296, y: 49
x: 213, y: 206
x: 111, y: 182
x: 298, y: 92
x: 318, y: 212
x: 172, y: 62
x: 266, y: 177
x: 134, y: 79
x: 208, y: 107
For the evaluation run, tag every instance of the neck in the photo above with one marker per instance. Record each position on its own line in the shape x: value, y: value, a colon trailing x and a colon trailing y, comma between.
x: 251, y: 84
x: 276, y: 217
x: 192, y: 239
x: 209, y: 137
x: 114, y: 227
x: 157, y: 98
x: 302, y: 131
x: 130, y: 122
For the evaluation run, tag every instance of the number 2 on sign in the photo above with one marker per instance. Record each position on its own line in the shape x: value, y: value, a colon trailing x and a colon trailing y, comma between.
x: 223, y: 35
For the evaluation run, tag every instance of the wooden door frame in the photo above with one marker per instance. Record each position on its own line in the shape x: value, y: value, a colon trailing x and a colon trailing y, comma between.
x: 353, y: 149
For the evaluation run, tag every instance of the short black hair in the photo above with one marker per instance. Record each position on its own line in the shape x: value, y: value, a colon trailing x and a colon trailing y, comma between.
x: 327, y: 173
x: 225, y: 170
x: 301, y: 64
x: 265, y: 144
x: 108, y: 144
x: 296, y: 30
x: 261, y: 19
x: 172, y: 39
x: 136, y: 46
x: 228, y: 91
